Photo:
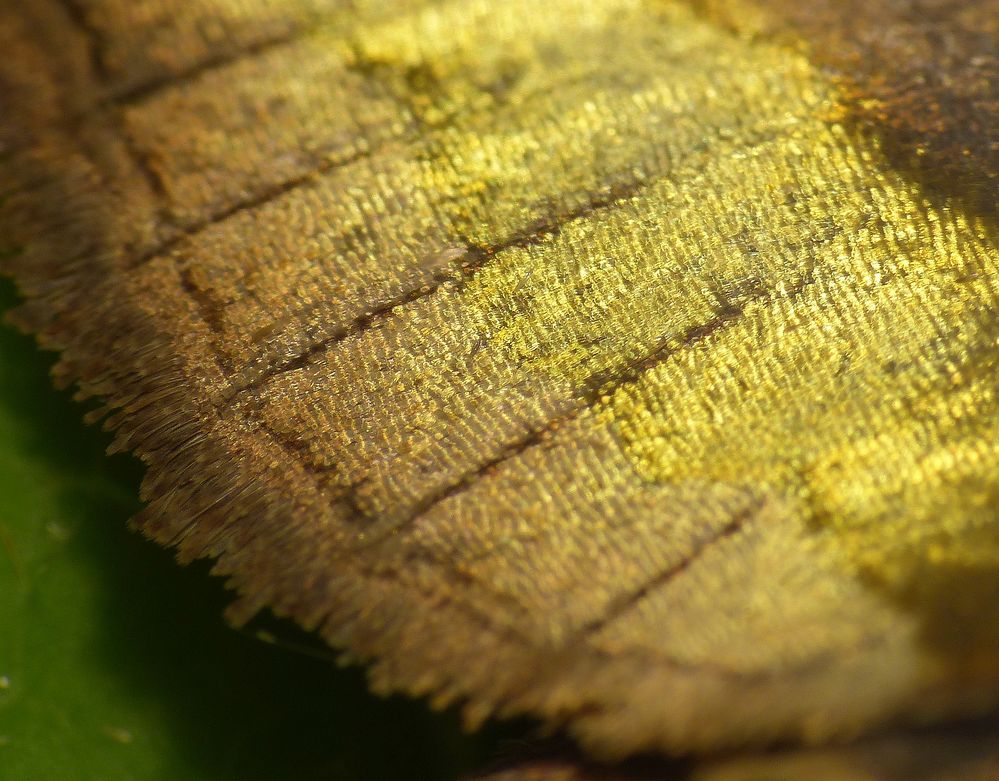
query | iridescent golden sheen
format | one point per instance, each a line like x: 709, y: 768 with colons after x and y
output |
x: 597, y: 360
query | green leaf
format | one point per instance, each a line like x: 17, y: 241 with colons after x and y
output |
x: 115, y: 663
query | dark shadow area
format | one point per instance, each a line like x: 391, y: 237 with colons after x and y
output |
x: 966, y: 750
x: 236, y: 707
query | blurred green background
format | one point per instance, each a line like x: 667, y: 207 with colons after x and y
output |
x: 115, y: 663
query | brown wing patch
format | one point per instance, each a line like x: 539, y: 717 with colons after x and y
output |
x: 921, y: 78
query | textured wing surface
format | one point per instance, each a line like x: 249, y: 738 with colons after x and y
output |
x: 630, y: 363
